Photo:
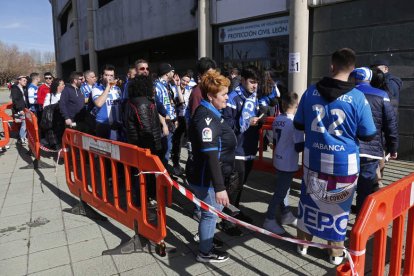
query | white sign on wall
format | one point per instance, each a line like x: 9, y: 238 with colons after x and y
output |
x: 294, y: 62
x: 254, y: 30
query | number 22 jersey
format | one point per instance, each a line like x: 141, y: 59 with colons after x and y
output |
x: 332, y: 128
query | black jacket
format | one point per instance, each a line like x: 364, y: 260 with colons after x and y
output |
x: 385, y: 122
x: 17, y: 98
x: 213, y: 145
x: 71, y: 104
x: 142, y: 124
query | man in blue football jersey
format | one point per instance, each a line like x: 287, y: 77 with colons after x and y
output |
x: 334, y: 115
x: 106, y: 97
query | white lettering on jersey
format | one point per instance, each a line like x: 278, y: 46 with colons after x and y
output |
x: 345, y: 98
x: 207, y: 134
x: 328, y: 147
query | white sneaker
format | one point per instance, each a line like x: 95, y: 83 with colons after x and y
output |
x: 303, y: 251
x: 337, y: 260
x: 290, y: 219
x: 272, y: 226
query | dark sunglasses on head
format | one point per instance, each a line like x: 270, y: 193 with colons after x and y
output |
x: 144, y: 69
x: 48, y: 78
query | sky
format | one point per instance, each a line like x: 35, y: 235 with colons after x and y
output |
x: 27, y: 24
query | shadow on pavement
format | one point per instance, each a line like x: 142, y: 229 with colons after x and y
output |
x: 72, y: 201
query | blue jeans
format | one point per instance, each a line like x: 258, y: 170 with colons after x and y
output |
x: 167, y: 146
x: 207, y: 225
x: 22, y: 131
x: 367, y: 180
x: 280, y: 196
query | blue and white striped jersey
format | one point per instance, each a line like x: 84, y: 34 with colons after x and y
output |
x: 110, y: 111
x: 32, y: 96
x: 332, y: 128
x: 86, y: 89
x: 162, y: 95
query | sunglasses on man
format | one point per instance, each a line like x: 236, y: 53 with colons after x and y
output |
x: 143, y: 69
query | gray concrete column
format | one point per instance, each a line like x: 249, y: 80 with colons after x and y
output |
x: 56, y: 38
x: 78, y: 58
x: 205, y: 42
x: 93, y: 59
x: 298, y: 46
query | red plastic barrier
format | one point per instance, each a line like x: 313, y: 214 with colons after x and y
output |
x: 15, y: 126
x: 4, y: 118
x: 261, y: 163
x: 32, y: 133
x: 90, y: 162
x: 389, y: 205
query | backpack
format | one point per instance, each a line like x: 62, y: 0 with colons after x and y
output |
x: 47, y: 115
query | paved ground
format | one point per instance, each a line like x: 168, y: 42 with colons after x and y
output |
x: 37, y: 238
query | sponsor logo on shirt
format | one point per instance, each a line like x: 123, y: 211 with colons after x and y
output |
x: 322, y: 146
x: 207, y: 134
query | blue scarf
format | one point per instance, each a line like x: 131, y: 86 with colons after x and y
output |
x: 249, y: 110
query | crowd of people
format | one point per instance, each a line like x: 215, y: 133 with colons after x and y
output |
x: 345, y: 125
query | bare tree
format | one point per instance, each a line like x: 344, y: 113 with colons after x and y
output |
x: 14, y: 62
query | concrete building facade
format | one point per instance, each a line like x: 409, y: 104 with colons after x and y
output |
x: 241, y: 32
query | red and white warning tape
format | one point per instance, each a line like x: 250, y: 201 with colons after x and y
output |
x: 189, y: 195
x: 59, y: 152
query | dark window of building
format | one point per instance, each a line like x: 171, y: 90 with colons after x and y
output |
x: 270, y: 54
x: 65, y: 18
x: 103, y: 2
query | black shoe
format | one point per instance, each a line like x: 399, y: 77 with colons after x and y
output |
x: 230, y: 229
x: 214, y: 256
x: 243, y: 217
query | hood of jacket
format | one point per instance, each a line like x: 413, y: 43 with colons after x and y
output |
x: 331, y: 89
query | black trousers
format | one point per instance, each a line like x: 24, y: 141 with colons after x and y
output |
x: 176, y: 140
x: 243, y: 167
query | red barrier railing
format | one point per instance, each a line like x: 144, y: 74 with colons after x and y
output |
x: 5, y: 118
x: 15, y: 126
x: 389, y: 205
x: 104, y: 174
x: 262, y: 163
x: 32, y: 133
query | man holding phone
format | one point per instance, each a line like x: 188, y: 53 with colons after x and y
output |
x: 242, y: 114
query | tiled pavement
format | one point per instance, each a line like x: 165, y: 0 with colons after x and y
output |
x: 37, y: 238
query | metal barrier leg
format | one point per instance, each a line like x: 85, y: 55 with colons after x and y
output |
x: 35, y: 164
x: 84, y: 209
x: 136, y: 244
x: 139, y: 244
